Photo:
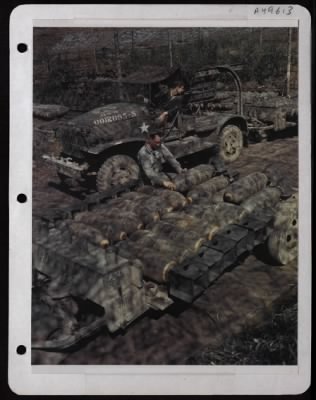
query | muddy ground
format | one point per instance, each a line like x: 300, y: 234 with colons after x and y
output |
x: 242, y: 298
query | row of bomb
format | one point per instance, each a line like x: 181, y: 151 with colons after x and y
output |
x: 109, y: 254
x: 121, y: 217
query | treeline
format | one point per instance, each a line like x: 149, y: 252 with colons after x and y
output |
x: 78, y: 54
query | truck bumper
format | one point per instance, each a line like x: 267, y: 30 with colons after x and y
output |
x: 66, y: 166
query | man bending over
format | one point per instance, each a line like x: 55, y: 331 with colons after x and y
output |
x: 151, y: 158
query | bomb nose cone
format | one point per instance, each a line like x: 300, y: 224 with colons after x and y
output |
x: 104, y: 243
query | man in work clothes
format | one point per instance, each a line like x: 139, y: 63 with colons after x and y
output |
x: 151, y: 158
x: 173, y: 103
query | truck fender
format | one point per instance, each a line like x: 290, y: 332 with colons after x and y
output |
x: 100, y: 148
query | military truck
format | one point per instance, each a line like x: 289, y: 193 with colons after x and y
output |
x: 99, y: 147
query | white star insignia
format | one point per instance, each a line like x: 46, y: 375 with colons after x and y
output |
x: 144, y: 127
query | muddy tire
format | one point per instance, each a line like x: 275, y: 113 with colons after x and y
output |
x: 115, y: 171
x: 230, y: 143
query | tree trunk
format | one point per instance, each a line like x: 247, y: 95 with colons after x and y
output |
x: 170, y: 50
x: 199, y: 44
x: 118, y: 64
x: 260, y: 38
x: 288, y: 73
x: 96, y: 61
x: 132, y: 44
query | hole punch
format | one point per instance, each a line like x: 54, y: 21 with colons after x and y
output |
x: 22, y: 47
x: 21, y: 349
x: 21, y: 198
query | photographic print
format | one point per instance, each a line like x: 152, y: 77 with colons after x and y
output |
x: 162, y: 195
x: 165, y: 196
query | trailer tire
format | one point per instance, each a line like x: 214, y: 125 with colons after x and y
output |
x: 230, y: 143
x: 115, y: 171
x: 282, y: 245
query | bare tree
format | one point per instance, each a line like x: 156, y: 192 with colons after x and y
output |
x: 132, y: 43
x: 260, y: 38
x: 118, y: 64
x: 170, y: 49
x: 199, y: 44
x: 289, y: 55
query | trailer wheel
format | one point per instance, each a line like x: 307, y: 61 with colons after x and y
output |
x: 282, y: 245
x: 115, y: 171
x: 230, y: 143
x: 282, y: 242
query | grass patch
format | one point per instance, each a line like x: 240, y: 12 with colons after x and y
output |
x: 274, y: 343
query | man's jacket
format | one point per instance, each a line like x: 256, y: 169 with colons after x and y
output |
x: 152, y: 163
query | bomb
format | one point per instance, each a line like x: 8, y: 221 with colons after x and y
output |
x: 135, y: 196
x: 146, y: 214
x: 155, y: 262
x: 173, y: 199
x: 196, y: 210
x: 218, y: 196
x: 205, y: 228
x: 194, y: 176
x: 204, y: 222
x: 181, y: 220
x: 207, y: 189
x: 163, y: 200
x: 266, y: 198
x: 239, y: 191
x: 112, y: 229
x: 160, y: 249
x: 182, y: 238
x: 87, y: 232
x: 124, y: 221
x: 147, y: 189
x: 226, y: 213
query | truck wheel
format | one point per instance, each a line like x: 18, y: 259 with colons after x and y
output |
x: 115, y: 171
x: 230, y: 143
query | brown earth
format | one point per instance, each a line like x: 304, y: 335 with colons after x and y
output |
x: 242, y: 297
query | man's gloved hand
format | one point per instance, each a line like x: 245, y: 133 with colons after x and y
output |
x: 169, y: 185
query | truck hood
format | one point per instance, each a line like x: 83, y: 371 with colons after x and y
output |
x: 119, y: 121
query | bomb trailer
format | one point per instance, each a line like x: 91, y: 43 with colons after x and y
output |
x: 107, y: 260
x: 99, y: 147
